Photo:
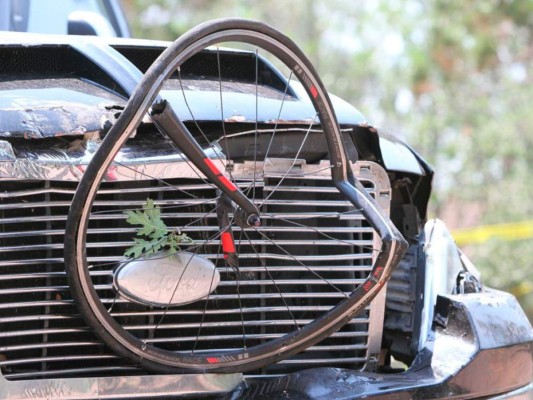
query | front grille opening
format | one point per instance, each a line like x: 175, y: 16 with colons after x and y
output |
x: 19, y: 63
x: 234, y: 66
x: 44, y: 336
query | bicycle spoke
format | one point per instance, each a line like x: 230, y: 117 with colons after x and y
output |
x: 196, y: 124
x: 274, y: 130
x: 302, y: 264
x: 319, y: 232
x: 267, y: 271
x: 293, y: 162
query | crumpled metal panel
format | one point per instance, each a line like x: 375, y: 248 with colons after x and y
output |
x: 443, y: 264
x: 66, y: 160
x: 6, y: 152
x: 36, y: 109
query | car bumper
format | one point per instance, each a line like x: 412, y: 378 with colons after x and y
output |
x: 481, y: 346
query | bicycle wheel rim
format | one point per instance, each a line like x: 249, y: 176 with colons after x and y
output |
x: 129, y: 345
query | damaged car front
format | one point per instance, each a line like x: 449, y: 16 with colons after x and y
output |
x: 60, y: 96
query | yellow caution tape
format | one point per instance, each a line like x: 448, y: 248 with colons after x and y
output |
x: 522, y: 289
x: 481, y: 234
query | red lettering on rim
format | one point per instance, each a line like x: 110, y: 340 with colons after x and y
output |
x: 314, y: 92
x: 378, y: 271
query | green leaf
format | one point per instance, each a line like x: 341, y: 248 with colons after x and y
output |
x: 150, y: 220
x: 153, y: 234
x: 140, y: 248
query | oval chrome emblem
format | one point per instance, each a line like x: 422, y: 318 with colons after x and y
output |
x: 162, y: 280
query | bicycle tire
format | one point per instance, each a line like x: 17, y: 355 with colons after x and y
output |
x: 161, y: 359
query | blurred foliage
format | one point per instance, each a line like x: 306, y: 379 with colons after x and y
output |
x: 452, y: 77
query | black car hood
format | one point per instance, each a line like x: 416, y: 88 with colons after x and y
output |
x: 68, y: 85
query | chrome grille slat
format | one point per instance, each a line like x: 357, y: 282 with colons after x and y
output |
x: 215, y: 242
x: 296, y: 268
x: 103, y: 260
x: 224, y: 324
x: 355, y: 268
x: 123, y: 204
x: 48, y: 345
x: 220, y: 311
x: 28, y: 304
x: 266, y: 296
x: 48, y: 331
x: 45, y: 275
x: 186, y: 230
x: 63, y: 358
x: 309, y: 349
x: 25, y: 193
x: 49, y: 317
x: 314, y: 361
x: 59, y: 303
x: 356, y: 216
x: 32, y: 275
x: 287, y: 188
x: 294, y: 282
x: 183, y: 202
x: 211, y: 297
x: 219, y: 337
x: 224, y: 337
x: 336, y: 347
x: 44, y: 328
x: 50, y: 288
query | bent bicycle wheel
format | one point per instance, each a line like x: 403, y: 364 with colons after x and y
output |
x: 227, y: 231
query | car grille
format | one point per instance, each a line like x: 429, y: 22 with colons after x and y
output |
x: 44, y: 336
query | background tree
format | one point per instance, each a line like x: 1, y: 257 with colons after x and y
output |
x: 452, y: 77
